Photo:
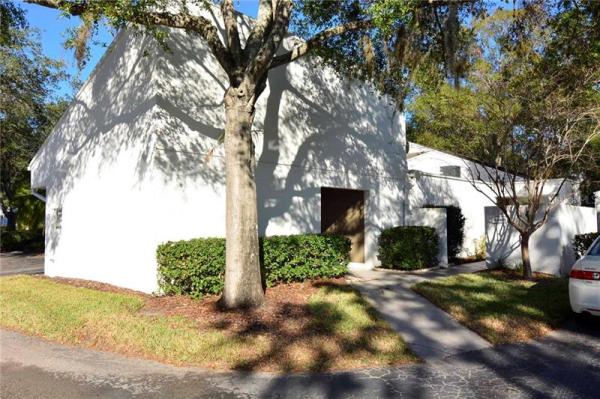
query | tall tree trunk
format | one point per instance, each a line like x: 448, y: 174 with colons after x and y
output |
x: 527, y: 273
x: 243, y: 285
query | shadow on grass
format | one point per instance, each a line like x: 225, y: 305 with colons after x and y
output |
x: 500, y: 305
x: 336, y: 329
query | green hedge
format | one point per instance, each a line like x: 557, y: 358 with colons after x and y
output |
x: 408, y: 247
x: 26, y: 241
x: 582, y: 242
x: 197, y: 267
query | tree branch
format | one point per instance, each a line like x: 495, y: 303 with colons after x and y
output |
x: 70, y: 7
x: 232, y: 36
x: 262, y: 27
x: 319, y: 38
x: 196, y: 24
x: 259, y: 64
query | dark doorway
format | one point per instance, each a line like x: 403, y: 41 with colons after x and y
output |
x: 343, y: 213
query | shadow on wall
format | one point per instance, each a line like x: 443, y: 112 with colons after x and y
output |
x: 161, y: 118
x: 550, y: 247
x: 500, y: 238
x: 308, y: 133
x: 92, y: 133
x: 435, y: 192
x: 553, y: 243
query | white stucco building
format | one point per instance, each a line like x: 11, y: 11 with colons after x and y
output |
x: 438, y: 178
x: 136, y: 161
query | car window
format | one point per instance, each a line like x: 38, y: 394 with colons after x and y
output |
x: 595, y: 249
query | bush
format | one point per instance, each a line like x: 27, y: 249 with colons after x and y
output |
x: 304, y: 257
x: 455, y: 223
x: 582, y: 242
x: 480, y: 248
x: 26, y: 241
x: 197, y: 267
x: 408, y: 247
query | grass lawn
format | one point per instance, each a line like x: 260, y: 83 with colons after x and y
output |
x: 499, y: 305
x: 322, y: 326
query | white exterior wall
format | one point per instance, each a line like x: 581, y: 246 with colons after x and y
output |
x: 429, y: 160
x: 445, y: 191
x: 94, y: 168
x: 312, y: 130
x: 428, y: 187
x: 550, y: 247
x: 136, y: 160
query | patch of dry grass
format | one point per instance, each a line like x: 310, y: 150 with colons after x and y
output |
x: 303, y: 327
x: 501, y: 306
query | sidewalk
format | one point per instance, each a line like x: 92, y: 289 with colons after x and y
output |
x: 430, y: 332
x: 19, y: 263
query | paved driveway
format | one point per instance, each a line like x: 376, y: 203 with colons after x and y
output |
x: 563, y: 365
x: 18, y: 263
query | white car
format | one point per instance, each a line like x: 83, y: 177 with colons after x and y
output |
x: 584, y: 282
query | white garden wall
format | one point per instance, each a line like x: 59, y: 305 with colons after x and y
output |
x: 435, y: 190
x: 428, y: 187
x: 551, y: 247
x: 436, y: 218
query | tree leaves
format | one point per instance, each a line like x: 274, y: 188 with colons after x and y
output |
x: 27, y: 110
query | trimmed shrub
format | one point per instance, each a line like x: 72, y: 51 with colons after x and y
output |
x: 194, y: 267
x: 304, y: 257
x: 26, y: 241
x: 582, y: 242
x: 408, y: 247
x: 455, y: 223
x: 197, y: 267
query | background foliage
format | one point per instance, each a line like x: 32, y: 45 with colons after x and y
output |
x: 28, y: 111
x: 582, y: 243
x: 532, y: 89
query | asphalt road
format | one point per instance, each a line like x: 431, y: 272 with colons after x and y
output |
x: 565, y: 364
x: 18, y: 263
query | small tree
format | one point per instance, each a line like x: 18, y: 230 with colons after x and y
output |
x: 247, y: 62
x: 524, y: 112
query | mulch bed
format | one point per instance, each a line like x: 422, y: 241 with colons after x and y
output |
x: 516, y: 275
x: 285, y: 309
x: 94, y: 285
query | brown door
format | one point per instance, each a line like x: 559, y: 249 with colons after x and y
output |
x: 343, y: 213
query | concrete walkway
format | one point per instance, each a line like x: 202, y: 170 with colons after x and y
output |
x: 19, y: 263
x: 430, y: 332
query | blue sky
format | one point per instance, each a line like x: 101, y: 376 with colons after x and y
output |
x: 53, y: 27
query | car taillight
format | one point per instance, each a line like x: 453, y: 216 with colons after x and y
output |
x: 584, y: 274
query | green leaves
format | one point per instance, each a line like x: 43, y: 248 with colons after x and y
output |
x: 408, y: 247
x: 197, y: 267
x: 27, y: 108
x: 386, y: 14
x: 582, y: 242
x: 12, y: 18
